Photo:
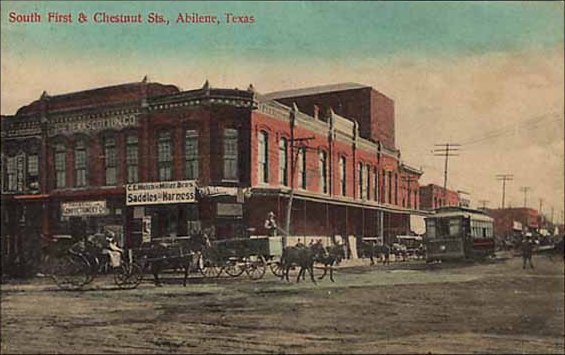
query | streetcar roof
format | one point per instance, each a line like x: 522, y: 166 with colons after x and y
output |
x: 465, y: 214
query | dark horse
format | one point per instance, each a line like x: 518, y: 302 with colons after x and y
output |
x: 329, y: 257
x: 301, y: 256
x: 181, y: 254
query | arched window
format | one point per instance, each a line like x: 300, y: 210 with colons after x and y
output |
x: 110, y: 161
x: 60, y: 165
x: 360, y: 180
x: 80, y: 164
x: 368, y: 182
x: 376, y: 184
x: 342, y: 175
x: 323, y: 162
x: 132, y: 170
x: 191, y: 154
x: 283, y: 161
x: 164, y: 156
x: 263, y: 157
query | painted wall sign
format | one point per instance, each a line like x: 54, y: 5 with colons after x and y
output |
x: 156, y: 193
x: 83, y: 208
x: 217, y: 191
x: 93, y: 125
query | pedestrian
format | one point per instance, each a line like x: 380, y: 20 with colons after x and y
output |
x: 386, y: 253
x: 271, y: 224
x: 527, y: 249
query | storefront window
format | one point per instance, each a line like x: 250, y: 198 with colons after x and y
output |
x: 191, y: 154
x: 80, y: 164
x: 131, y: 158
x: 342, y: 176
x: 165, y: 158
x: 323, y: 172
x: 283, y: 162
x: 302, y: 168
x: 110, y: 160
x: 263, y: 157
x: 231, y: 143
x: 60, y: 165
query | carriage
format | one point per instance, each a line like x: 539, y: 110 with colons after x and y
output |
x: 251, y: 255
x: 75, y: 265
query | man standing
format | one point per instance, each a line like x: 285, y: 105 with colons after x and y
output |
x: 271, y: 224
x: 527, y: 249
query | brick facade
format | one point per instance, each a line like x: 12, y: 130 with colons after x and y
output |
x: 432, y: 196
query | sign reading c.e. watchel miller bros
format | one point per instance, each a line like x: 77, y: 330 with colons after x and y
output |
x: 165, y: 192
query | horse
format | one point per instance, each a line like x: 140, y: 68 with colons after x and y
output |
x: 329, y: 257
x: 301, y: 256
x: 161, y: 256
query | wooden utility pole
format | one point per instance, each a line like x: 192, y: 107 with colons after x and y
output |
x: 504, y: 178
x: 525, y: 190
x: 484, y: 203
x: 446, y: 150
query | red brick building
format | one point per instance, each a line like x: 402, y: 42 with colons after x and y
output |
x: 434, y: 196
x: 509, y: 221
x: 147, y: 154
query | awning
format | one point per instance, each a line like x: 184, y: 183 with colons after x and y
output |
x: 417, y: 224
x: 31, y: 197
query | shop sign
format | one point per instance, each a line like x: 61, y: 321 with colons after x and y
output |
x: 93, y: 125
x: 158, y: 193
x: 217, y: 191
x: 84, y: 208
x: 146, y: 229
x: 516, y: 225
x: 229, y: 209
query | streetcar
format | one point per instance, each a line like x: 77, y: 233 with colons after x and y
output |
x: 455, y: 233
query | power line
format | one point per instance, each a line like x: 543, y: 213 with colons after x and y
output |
x: 504, y: 178
x: 446, y: 150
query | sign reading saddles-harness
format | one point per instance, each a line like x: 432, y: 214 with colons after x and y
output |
x: 156, y: 193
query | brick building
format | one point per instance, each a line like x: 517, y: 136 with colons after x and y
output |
x: 148, y: 159
x: 509, y: 221
x: 434, y: 196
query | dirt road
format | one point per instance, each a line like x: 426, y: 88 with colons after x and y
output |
x: 482, y: 308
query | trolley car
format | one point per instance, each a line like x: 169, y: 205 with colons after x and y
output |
x: 454, y: 233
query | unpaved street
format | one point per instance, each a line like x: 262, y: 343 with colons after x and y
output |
x: 481, y: 308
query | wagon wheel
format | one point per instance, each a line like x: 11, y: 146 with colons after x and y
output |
x: 71, y: 272
x: 210, y: 264
x: 233, y: 267
x: 128, y: 276
x: 276, y: 268
x: 255, y: 269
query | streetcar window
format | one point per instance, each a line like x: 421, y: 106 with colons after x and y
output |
x: 454, y: 227
x: 431, y: 228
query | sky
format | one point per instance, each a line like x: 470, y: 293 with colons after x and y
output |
x: 486, y: 75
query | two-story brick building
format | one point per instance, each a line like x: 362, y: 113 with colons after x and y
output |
x: 433, y: 196
x: 145, y: 154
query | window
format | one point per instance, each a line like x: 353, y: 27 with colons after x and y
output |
x: 132, y: 170
x: 10, y: 174
x: 389, y: 185
x: 376, y: 184
x: 60, y: 165
x: 323, y: 172
x: 302, y: 168
x: 110, y: 160
x: 396, y: 189
x: 342, y: 176
x: 368, y: 182
x: 360, y: 180
x: 191, y: 154
x: 164, y: 156
x: 383, y: 194
x: 33, y: 172
x: 263, y: 157
x: 80, y: 164
x: 231, y: 154
x: 283, y: 161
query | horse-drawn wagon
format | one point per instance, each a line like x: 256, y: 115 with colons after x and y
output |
x: 251, y: 255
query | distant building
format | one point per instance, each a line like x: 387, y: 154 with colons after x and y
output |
x: 433, y: 196
x: 509, y: 221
